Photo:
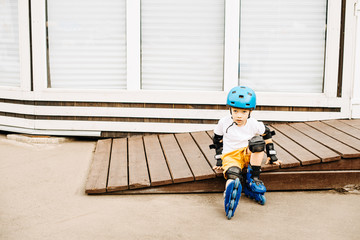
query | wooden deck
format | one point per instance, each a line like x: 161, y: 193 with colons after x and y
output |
x: 314, y: 155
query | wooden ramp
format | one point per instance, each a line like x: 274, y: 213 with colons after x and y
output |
x: 314, y: 155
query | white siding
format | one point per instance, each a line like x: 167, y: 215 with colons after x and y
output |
x: 80, y: 57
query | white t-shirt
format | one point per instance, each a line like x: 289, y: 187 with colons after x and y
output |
x: 235, y: 137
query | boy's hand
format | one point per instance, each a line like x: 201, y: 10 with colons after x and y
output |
x: 217, y: 167
x: 278, y: 162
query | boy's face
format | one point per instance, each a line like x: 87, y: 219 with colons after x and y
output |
x: 240, y: 115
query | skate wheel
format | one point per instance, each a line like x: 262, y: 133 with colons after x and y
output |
x: 233, y: 195
x: 232, y: 204
x: 237, y: 183
x: 230, y: 214
x: 262, y: 200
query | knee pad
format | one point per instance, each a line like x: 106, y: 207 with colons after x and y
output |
x: 233, y: 173
x: 256, y: 144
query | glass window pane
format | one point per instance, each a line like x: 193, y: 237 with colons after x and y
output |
x: 182, y: 44
x: 282, y: 45
x: 87, y: 44
x: 9, y: 44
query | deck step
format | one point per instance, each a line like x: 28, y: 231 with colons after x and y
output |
x: 314, y: 155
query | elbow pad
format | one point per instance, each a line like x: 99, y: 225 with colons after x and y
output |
x: 268, y: 133
x: 217, y: 139
x: 217, y: 144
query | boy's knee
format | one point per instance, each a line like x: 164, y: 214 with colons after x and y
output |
x: 233, y: 173
x: 256, y: 144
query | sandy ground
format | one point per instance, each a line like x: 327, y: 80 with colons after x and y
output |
x: 42, y: 197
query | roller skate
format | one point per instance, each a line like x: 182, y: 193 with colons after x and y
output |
x: 254, y: 187
x: 232, y: 195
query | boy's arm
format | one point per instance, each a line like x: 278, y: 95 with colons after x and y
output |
x: 218, y: 142
x: 218, y: 146
x: 270, y: 151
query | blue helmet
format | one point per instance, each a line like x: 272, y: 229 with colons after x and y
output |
x: 242, y: 97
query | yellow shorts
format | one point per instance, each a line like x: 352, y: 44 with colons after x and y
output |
x: 237, y: 158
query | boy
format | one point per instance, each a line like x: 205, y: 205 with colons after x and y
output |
x: 242, y: 141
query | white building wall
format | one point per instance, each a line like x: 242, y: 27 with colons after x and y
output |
x: 37, y: 109
x: 355, y: 101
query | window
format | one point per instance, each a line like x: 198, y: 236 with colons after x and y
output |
x: 9, y: 44
x: 87, y: 44
x: 282, y: 45
x: 182, y: 44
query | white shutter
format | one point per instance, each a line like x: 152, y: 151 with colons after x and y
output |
x: 282, y: 45
x: 182, y: 44
x: 87, y: 44
x: 9, y: 44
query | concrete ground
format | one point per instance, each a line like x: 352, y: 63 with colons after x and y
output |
x: 42, y: 197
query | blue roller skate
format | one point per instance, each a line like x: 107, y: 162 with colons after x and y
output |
x: 232, y: 196
x: 254, y: 188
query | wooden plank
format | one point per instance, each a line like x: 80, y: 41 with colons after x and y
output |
x: 355, y: 132
x: 212, y: 185
x: 138, y: 171
x: 353, y: 122
x: 304, y: 156
x: 337, y: 134
x: 344, y: 150
x: 274, y: 181
x: 196, y: 160
x: 309, y: 180
x: 287, y: 160
x: 325, y: 154
x: 159, y: 172
x: 118, y: 170
x: 97, y: 179
x: 178, y: 166
x: 268, y: 167
x: 203, y: 141
x: 343, y: 164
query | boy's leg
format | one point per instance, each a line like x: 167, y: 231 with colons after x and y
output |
x: 256, y: 158
x: 233, y: 173
x: 254, y: 186
x: 270, y: 151
x: 253, y: 173
x: 233, y: 190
